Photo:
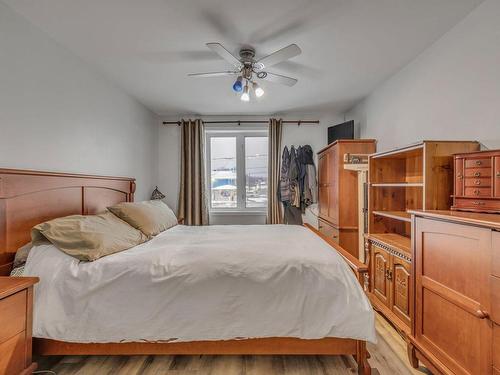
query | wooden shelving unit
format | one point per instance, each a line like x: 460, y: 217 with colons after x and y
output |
x: 396, y: 215
x: 400, y: 184
x: 416, y: 177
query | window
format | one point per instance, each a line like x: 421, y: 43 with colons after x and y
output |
x: 237, y: 170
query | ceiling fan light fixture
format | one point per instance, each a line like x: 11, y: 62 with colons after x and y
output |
x: 245, y: 97
x: 259, y: 91
x: 238, y: 84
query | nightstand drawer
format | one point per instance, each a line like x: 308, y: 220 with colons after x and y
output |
x: 12, y: 358
x: 13, y: 314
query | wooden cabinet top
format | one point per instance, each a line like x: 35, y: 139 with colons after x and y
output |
x: 484, y: 220
x: 346, y: 141
x: 485, y: 153
x: 11, y: 285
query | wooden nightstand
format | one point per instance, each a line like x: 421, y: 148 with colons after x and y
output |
x: 16, y: 315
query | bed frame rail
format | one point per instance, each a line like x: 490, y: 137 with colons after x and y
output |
x: 359, y: 268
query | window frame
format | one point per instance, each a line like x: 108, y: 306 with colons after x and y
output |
x: 240, y: 135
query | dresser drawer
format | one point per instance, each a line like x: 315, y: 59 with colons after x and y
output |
x: 477, y: 182
x: 13, y: 311
x: 478, y: 204
x: 496, y: 345
x: 478, y: 172
x: 328, y: 230
x: 475, y: 163
x: 495, y: 298
x: 477, y: 192
x: 12, y: 358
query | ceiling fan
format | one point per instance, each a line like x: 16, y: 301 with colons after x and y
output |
x: 247, y: 68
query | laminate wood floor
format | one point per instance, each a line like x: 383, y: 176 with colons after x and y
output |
x: 388, y: 357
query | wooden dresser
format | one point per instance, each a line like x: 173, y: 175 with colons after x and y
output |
x: 338, y: 192
x: 16, y: 309
x: 456, y: 304
x: 477, y: 182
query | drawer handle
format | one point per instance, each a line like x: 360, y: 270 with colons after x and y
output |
x: 478, y: 162
x: 481, y: 314
x: 477, y: 192
x: 477, y: 174
x: 478, y: 203
x: 477, y: 182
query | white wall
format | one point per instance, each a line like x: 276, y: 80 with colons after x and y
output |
x: 451, y: 91
x: 57, y: 114
x: 169, y: 152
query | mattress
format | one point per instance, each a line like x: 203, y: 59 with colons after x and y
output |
x: 202, y: 283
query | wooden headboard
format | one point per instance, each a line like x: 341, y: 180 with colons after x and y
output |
x: 28, y: 198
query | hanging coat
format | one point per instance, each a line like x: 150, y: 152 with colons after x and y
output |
x: 294, y: 179
x: 310, y: 183
x: 284, y: 176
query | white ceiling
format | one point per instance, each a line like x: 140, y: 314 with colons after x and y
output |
x: 147, y: 47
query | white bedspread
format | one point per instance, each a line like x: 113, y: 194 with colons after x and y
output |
x: 202, y: 283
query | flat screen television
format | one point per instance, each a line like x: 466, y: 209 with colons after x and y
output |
x: 341, y: 131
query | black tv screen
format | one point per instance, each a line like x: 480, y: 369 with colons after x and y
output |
x: 341, y: 131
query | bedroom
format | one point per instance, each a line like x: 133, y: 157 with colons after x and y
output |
x: 91, y: 90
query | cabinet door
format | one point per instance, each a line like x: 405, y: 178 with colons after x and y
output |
x: 323, y: 184
x: 323, y: 160
x: 459, y: 177
x: 496, y: 177
x: 381, y: 265
x: 452, y: 293
x: 333, y: 170
x: 400, y: 289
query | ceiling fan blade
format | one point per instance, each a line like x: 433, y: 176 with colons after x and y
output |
x: 278, y: 78
x: 214, y: 74
x: 278, y: 56
x: 225, y: 54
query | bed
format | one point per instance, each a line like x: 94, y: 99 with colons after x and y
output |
x: 205, y: 290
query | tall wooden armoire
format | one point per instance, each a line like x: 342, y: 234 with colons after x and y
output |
x: 338, y: 194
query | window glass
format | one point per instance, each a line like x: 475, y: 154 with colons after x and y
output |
x: 256, y: 172
x: 224, y: 191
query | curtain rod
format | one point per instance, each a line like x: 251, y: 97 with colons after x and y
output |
x: 239, y: 122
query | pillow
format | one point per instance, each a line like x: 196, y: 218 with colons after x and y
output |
x: 88, y: 237
x: 150, y: 217
x: 22, y: 255
x: 18, y: 271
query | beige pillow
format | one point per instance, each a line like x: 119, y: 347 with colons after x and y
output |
x: 88, y: 237
x: 150, y: 217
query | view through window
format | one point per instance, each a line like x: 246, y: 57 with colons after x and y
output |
x: 256, y: 171
x: 237, y: 170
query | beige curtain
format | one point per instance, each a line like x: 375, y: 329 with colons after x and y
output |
x: 274, y: 208
x: 192, y: 197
